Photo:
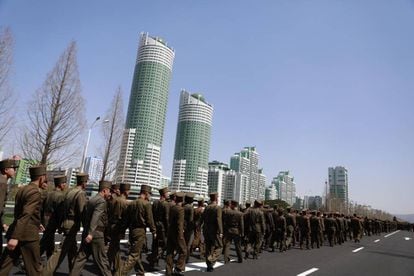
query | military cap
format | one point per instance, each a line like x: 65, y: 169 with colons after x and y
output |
x: 266, y: 206
x: 37, y: 171
x: 200, y: 201
x: 8, y: 163
x: 82, y: 177
x: 258, y: 201
x: 190, y: 195
x: 234, y: 202
x: 146, y: 188
x: 104, y: 184
x: 179, y: 195
x: 162, y: 191
x: 124, y: 187
x: 59, y: 179
x: 213, y: 195
x: 172, y: 195
x: 115, y: 186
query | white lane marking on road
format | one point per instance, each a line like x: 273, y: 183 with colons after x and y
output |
x: 200, y: 266
x: 407, y: 238
x: 376, y: 240
x: 390, y: 234
x: 358, y: 249
x: 307, y: 272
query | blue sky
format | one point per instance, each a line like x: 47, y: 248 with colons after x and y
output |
x: 311, y: 84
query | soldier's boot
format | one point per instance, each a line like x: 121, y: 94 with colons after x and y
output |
x: 178, y: 272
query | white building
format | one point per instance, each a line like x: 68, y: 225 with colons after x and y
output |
x: 94, y: 167
x: 285, y: 186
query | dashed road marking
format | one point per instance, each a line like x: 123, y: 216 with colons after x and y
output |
x: 199, y: 266
x: 358, y: 249
x: 407, y: 238
x: 307, y: 272
x: 390, y: 234
x: 377, y: 240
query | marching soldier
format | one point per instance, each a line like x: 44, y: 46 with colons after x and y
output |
x: 357, y: 228
x: 330, y: 226
x: 54, y: 210
x: 280, y: 230
x: 8, y: 169
x: 115, y: 193
x: 233, y: 225
x: 74, y: 206
x: 93, y: 237
x: 270, y: 227
x: 188, y: 222
x: 245, y: 241
x: 138, y: 218
x: 176, y: 240
x: 316, y: 228
x: 198, y: 222
x: 23, y: 233
x: 290, y: 228
x: 120, y: 207
x: 305, y: 229
x: 213, y: 231
x: 254, y: 218
x: 160, y: 212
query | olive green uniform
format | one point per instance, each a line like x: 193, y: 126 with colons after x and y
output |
x: 255, y: 221
x: 212, y: 230
x: 233, y: 226
x: 160, y: 212
x: 25, y: 229
x: 176, y: 240
x: 138, y: 217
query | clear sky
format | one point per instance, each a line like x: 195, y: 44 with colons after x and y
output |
x: 311, y: 84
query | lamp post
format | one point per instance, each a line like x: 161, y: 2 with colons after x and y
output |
x: 85, y: 149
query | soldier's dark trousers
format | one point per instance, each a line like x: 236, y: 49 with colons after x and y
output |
x: 315, y: 238
x: 68, y: 247
x: 114, y: 256
x: 290, y: 236
x: 214, y: 247
x: 197, y: 242
x: 30, y: 251
x: 158, y: 246
x: 47, y: 243
x: 137, y: 239
x: 331, y: 236
x: 228, y: 238
x: 189, y: 237
x: 97, y: 249
x: 175, y: 246
x: 304, y: 237
x: 255, y: 239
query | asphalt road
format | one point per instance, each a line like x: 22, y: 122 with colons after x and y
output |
x: 384, y: 255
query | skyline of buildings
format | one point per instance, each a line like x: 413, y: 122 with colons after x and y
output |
x: 285, y: 187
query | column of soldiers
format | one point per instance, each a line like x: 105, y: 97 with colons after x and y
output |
x: 177, y: 227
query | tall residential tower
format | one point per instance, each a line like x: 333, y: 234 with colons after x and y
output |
x: 140, y: 156
x: 192, y: 145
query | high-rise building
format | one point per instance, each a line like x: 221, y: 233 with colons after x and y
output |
x: 312, y: 202
x: 140, y: 155
x: 261, y: 185
x: 338, y: 184
x: 192, y: 145
x: 246, y: 163
x: 270, y: 193
x: 285, y: 186
x: 94, y: 167
x: 221, y: 180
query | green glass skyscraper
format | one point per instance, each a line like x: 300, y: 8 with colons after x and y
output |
x: 144, y: 129
x: 192, y: 145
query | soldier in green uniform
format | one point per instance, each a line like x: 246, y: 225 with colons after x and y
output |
x: 93, y: 236
x: 254, y: 218
x: 330, y: 226
x: 115, y: 193
x: 356, y: 226
x: 188, y: 221
x: 290, y: 228
x: 74, y: 206
x: 213, y: 231
x: 7, y: 170
x: 198, y: 222
x: 305, y: 230
x: 160, y: 212
x: 23, y: 234
x: 233, y: 226
x: 138, y: 218
x: 245, y: 241
x: 316, y: 228
x: 176, y: 240
x: 54, y: 210
x: 280, y: 230
x: 119, y: 212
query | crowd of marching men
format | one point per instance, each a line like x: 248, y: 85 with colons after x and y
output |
x: 180, y: 227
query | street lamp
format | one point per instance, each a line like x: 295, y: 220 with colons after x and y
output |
x: 85, y: 149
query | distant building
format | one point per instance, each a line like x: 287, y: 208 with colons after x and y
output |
x: 22, y: 174
x: 261, y: 185
x: 312, y: 202
x: 338, y: 184
x: 246, y: 163
x: 298, y: 205
x: 94, y: 167
x: 165, y: 181
x: 270, y: 193
x: 285, y: 186
x: 192, y: 145
x: 221, y: 180
x: 71, y: 176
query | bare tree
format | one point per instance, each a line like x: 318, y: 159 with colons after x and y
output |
x: 112, y: 132
x: 56, y: 114
x: 6, y: 99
